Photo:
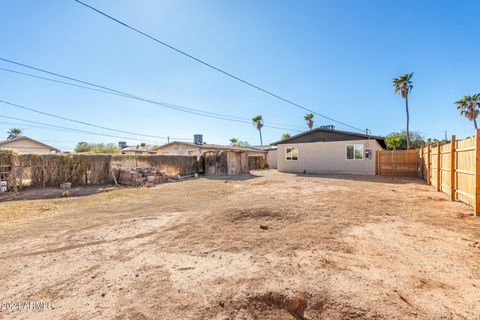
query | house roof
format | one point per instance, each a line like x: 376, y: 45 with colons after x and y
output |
x: 178, y: 142
x: 325, y: 135
x: 265, y: 148
x: 30, y: 139
x: 138, y: 149
x: 211, y: 146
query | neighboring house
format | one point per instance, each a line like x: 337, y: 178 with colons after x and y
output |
x: 137, y: 151
x: 179, y: 148
x: 329, y: 151
x: 27, y: 145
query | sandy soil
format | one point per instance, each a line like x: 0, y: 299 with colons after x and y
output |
x: 263, y: 246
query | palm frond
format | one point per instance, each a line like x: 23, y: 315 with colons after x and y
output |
x: 403, y: 84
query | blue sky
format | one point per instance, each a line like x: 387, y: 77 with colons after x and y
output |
x: 336, y: 57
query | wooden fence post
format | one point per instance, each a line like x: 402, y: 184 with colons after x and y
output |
x: 377, y: 168
x: 422, y: 160
x: 453, y: 167
x: 439, y: 167
x: 20, y: 176
x: 44, y: 173
x: 477, y: 173
x: 392, y: 167
x: 14, y: 172
x: 429, y: 164
x: 110, y: 168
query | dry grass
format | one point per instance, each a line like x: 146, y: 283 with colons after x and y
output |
x: 267, y: 246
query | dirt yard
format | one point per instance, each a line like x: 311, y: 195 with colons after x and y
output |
x: 263, y: 246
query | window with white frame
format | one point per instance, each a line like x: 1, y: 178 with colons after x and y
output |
x: 354, y: 151
x: 291, y: 153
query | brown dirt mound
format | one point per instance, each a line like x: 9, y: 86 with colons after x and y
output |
x: 303, y: 306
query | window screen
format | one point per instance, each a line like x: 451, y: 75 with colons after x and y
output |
x: 354, y: 151
x: 291, y: 153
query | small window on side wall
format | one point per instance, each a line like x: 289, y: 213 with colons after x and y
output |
x: 355, y: 152
x: 291, y: 153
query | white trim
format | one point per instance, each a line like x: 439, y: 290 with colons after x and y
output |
x: 354, y: 145
x: 298, y: 153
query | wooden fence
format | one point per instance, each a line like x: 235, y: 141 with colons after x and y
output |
x: 397, y: 163
x: 450, y: 168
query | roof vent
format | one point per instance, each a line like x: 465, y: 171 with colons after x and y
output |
x: 328, y: 127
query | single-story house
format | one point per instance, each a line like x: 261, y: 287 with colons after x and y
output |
x: 329, y: 151
x: 180, y: 148
x: 137, y: 151
x: 27, y: 145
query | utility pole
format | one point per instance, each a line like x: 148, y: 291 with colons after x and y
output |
x: 445, y: 135
x: 168, y: 139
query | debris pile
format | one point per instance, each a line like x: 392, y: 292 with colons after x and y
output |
x: 147, y: 177
x: 66, y: 185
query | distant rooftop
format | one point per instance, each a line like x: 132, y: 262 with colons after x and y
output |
x: 138, y: 149
x: 30, y: 139
x: 213, y: 146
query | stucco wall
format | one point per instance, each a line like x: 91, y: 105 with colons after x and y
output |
x: 327, y: 157
x: 26, y: 146
x: 179, y: 150
x: 272, y: 159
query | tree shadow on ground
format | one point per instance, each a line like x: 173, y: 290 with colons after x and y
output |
x: 80, y: 191
x: 54, y: 193
x: 366, y: 178
x: 240, y: 177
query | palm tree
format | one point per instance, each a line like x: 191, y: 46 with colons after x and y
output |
x: 469, y: 107
x: 258, y: 123
x: 234, y: 142
x: 285, y: 136
x: 403, y: 85
x: 309, y: 118
x: 14, y: 133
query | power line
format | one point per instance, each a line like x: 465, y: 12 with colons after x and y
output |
x: 73, y: 129
x: 53, y: 80
x: 81, y: 122
x: 108, y: 90
x: 215, y: 68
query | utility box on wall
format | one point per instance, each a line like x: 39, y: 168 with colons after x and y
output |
x: 368, y: 154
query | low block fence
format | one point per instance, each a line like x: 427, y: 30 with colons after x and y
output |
x: 452, y: 168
